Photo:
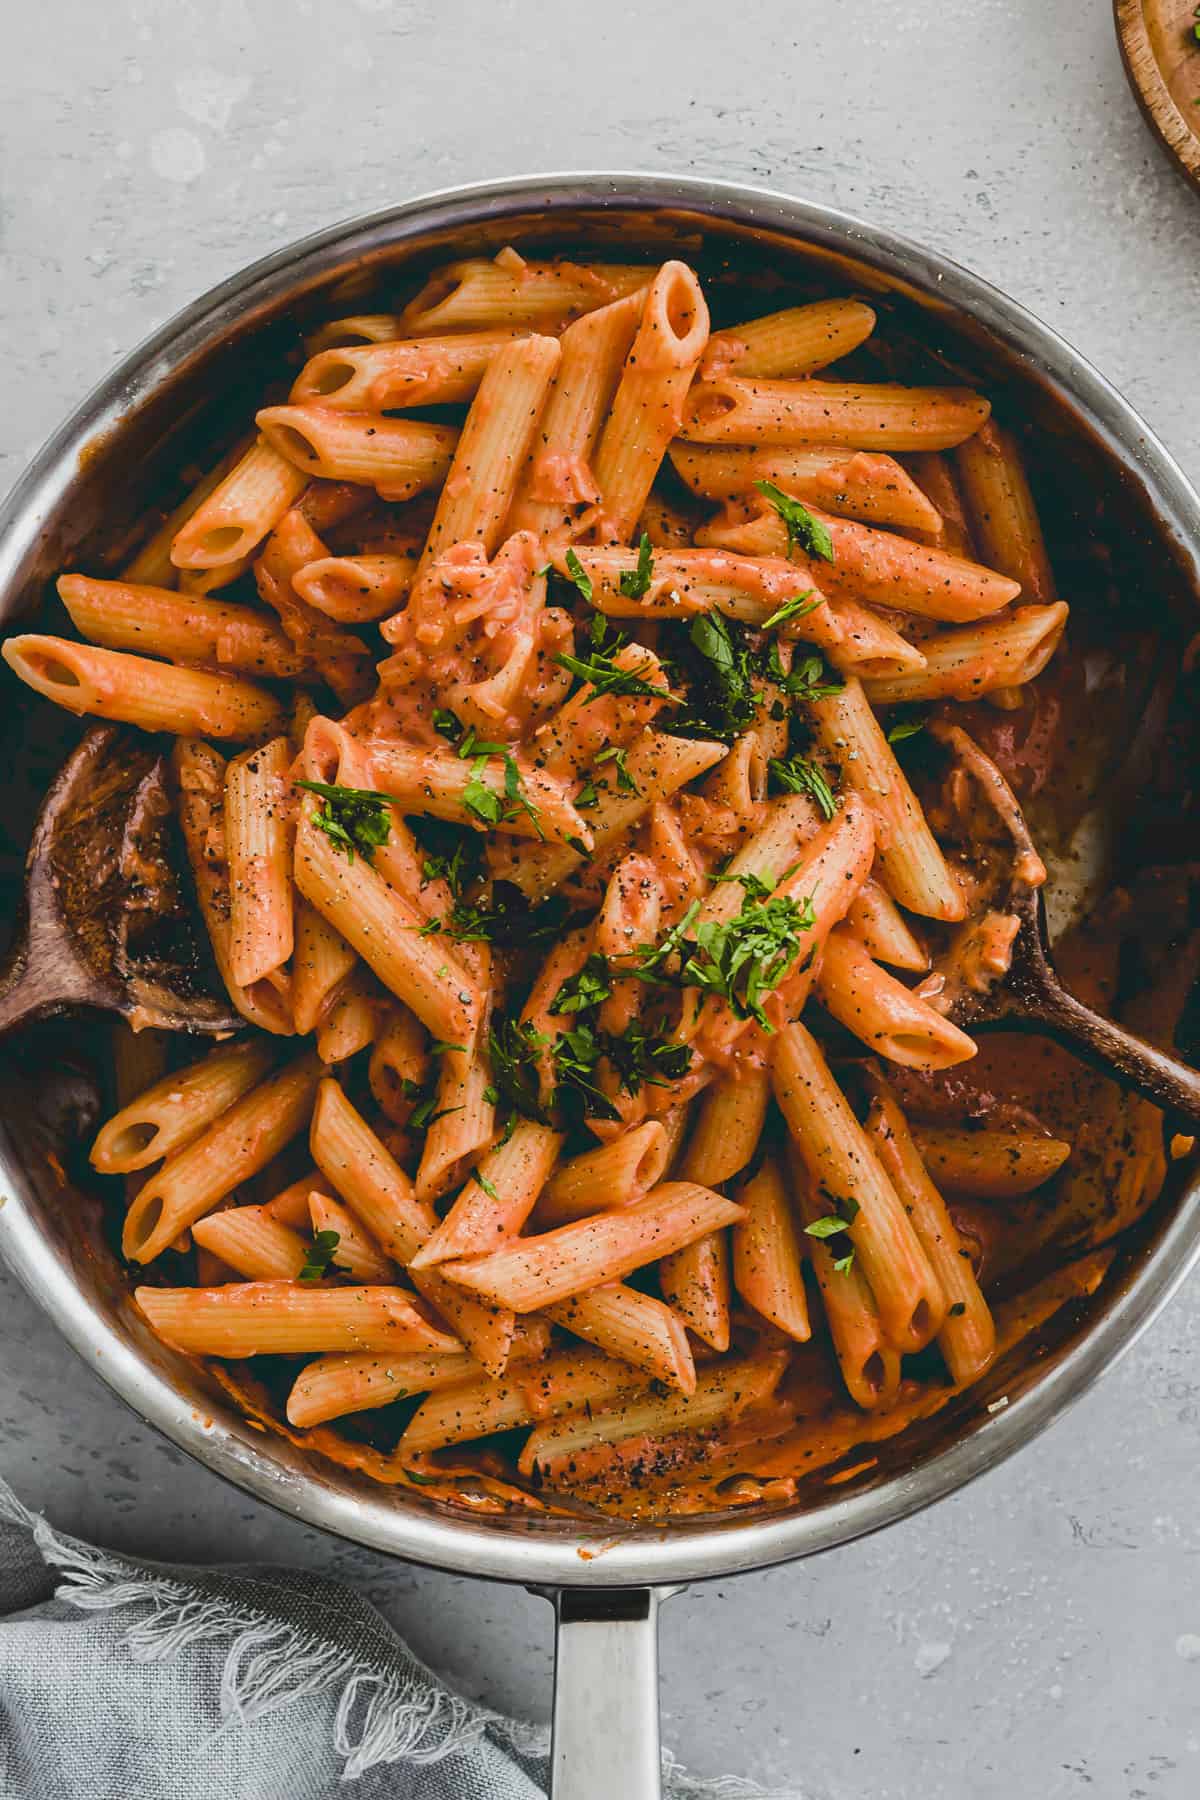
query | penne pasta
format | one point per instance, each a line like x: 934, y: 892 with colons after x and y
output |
x: 1001, y: 508
x: 536, y: 1272
x: 177, y: 1107
x: 355, y: 1251
x: 240, y: 512
x: 560, y: 1383
x: 977, y: 659
x: 391, y: 375
x: 612, y: 1175
x: 477, y: 294
x: 634, y: 1327
x: 258, y: 844
x: 877, y: 922
x: 133, y: 690
x: 183, y: 628
x: 854, y: 484
x: 282, y: 1318
x: 768, y: 1262
x: 695, y: 1281
x: 335, y: 1385
x: 397, y: 457
x: 888, y: 1017
x: 797, y: 341
x: 254, y: 1242
x: 994, y: 1164
x: 858, y: 415
x: 498, y: 1197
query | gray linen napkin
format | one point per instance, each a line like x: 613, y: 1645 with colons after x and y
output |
x: 130, y: 1680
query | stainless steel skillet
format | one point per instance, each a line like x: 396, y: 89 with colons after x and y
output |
x: 183, y: 391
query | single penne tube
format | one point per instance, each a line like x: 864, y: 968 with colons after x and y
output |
x: 1002, y: 512
x: 658, y: 765
x: 535, y: 1272
x: 633, y: 1326
x: 879, y: 925
x: 729, y: 1117
x: 140, y: 1060
x: 977, y: 659
x: 133, y: 690
x: 389, y: 376
x: 353, y: 1021
x: 797, y: 341
x: 859, y: 415
x: 385, y: 929
x: 994, y: 1164
x: 649, y: 399
x: 370, y: 1181
x: 496, y: 439
x: 291, y: 1204
x: 967, y: 1338
x: 399, y: 1064
x: 440, y: 784
x: 561, y: 1382
x: 848, y: 1176
x: 463, y: 1123
x: 178, y: 1107
x: 284, y: 1318
x: 854, y: 484
x: 240, y: 512
x: 322, y: 962
x: 740, y: 782
x: 258, y: 845
x: 152, y: 565
x: 335, y: 1385
x: 356, y: 1252
x: 355, y: 590
x: 397, y: 457
x: 723, y: 1392
x: 912, y: 866
x: 889, y: 1018
x: 254, y: 1242
x: 768, y: 1262
x: 869, y: 1363
x: 478, y: 294
x: 557, y: 478
x: 614, y: 1174
x: 199, y: 773
x: 498, y: 1197
x: 695, y: 1281
x: 355, y: 328
x: 232, y: 1149
x: 181, y: 627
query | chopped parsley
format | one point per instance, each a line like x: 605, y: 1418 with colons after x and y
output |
x: 585, y: 989
x: 797, y: 608
x: 807, y: 679
x: 741, y: 960
x: 616, y: 755
x: 636, y: 582
x: 489, y: 1187
x: 482, y: 801
x: 800, y: 775
x: 507, y: 921
x: 579, y: 575
x: 827, y: 1227
x: 754, y: 885
x: 842, y: 1265
x: 906, y: 725
x: 722, y: 698
x: 802, y: 528
x: 319, y: 1261
x: 354, y: 819
x: 831, y: 1226
x: 575, y: 1055
x: 643, y: 1057
x: 601, y: 671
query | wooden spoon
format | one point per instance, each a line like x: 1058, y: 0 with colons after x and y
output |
x: 1005, y: 979
x: 103, y: 921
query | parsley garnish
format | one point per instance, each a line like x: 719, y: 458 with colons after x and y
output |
x: 423, y: 1115
x: 636, y: 1055
x: 635, y: 582
x: 797, y: 608
x: 320, y: 1261
x: 799, y: 775
x: 508, y: 921
x: 479, y: 799
x: 515, y: 1048
x: 640, y: 1057
x: 587, y: 988
x: 723, y: 700
x: 615, y: 754
x: 489, y: 1187
x: 439, y: 1046
x: 906, y: 725
x: 352, y: 818
x: 842, y: 1265
x: 579, y: 575
x: 831, y: 1226
x: 801, y: 527
x: 807, y: 679
x: 742, y: 960
x: 601, y: 671
x: 827, y: 1227
x: 445, y: 722
x: 482, y: 800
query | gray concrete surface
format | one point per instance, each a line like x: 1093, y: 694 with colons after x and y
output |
x: 1040, y: 1633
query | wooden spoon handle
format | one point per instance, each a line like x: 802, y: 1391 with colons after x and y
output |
x: 1127, y: 1058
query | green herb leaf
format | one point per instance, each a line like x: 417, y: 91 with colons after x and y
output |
x: 587, y: 796
x: 352, y: 818
x: 741, y: 960
x: 615, y: 754
x: 798, y: 775
x: 802, y: 528
x: 319, y: 1261
x: 489, y: 1187
x: 798, y: 608
x: 579, y: 576
x: 439, y: 1047
x: 515, y: 1049
x: 906, y: 725
x: 827, y: 1227
x: 602, y: 673
x: 419, y: 1480
x: 635, y: 582
x: 491, y: 1094
x: 652, y: 956
x: 754, y: 885
x: 807, y: 679
x: 587, y: 988
x: 639, y: 1056
x: 479, y: 799
x: 842, y: 1265
x: 445, y: 722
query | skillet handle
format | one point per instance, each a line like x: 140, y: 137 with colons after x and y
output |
x: 605, y: 1731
